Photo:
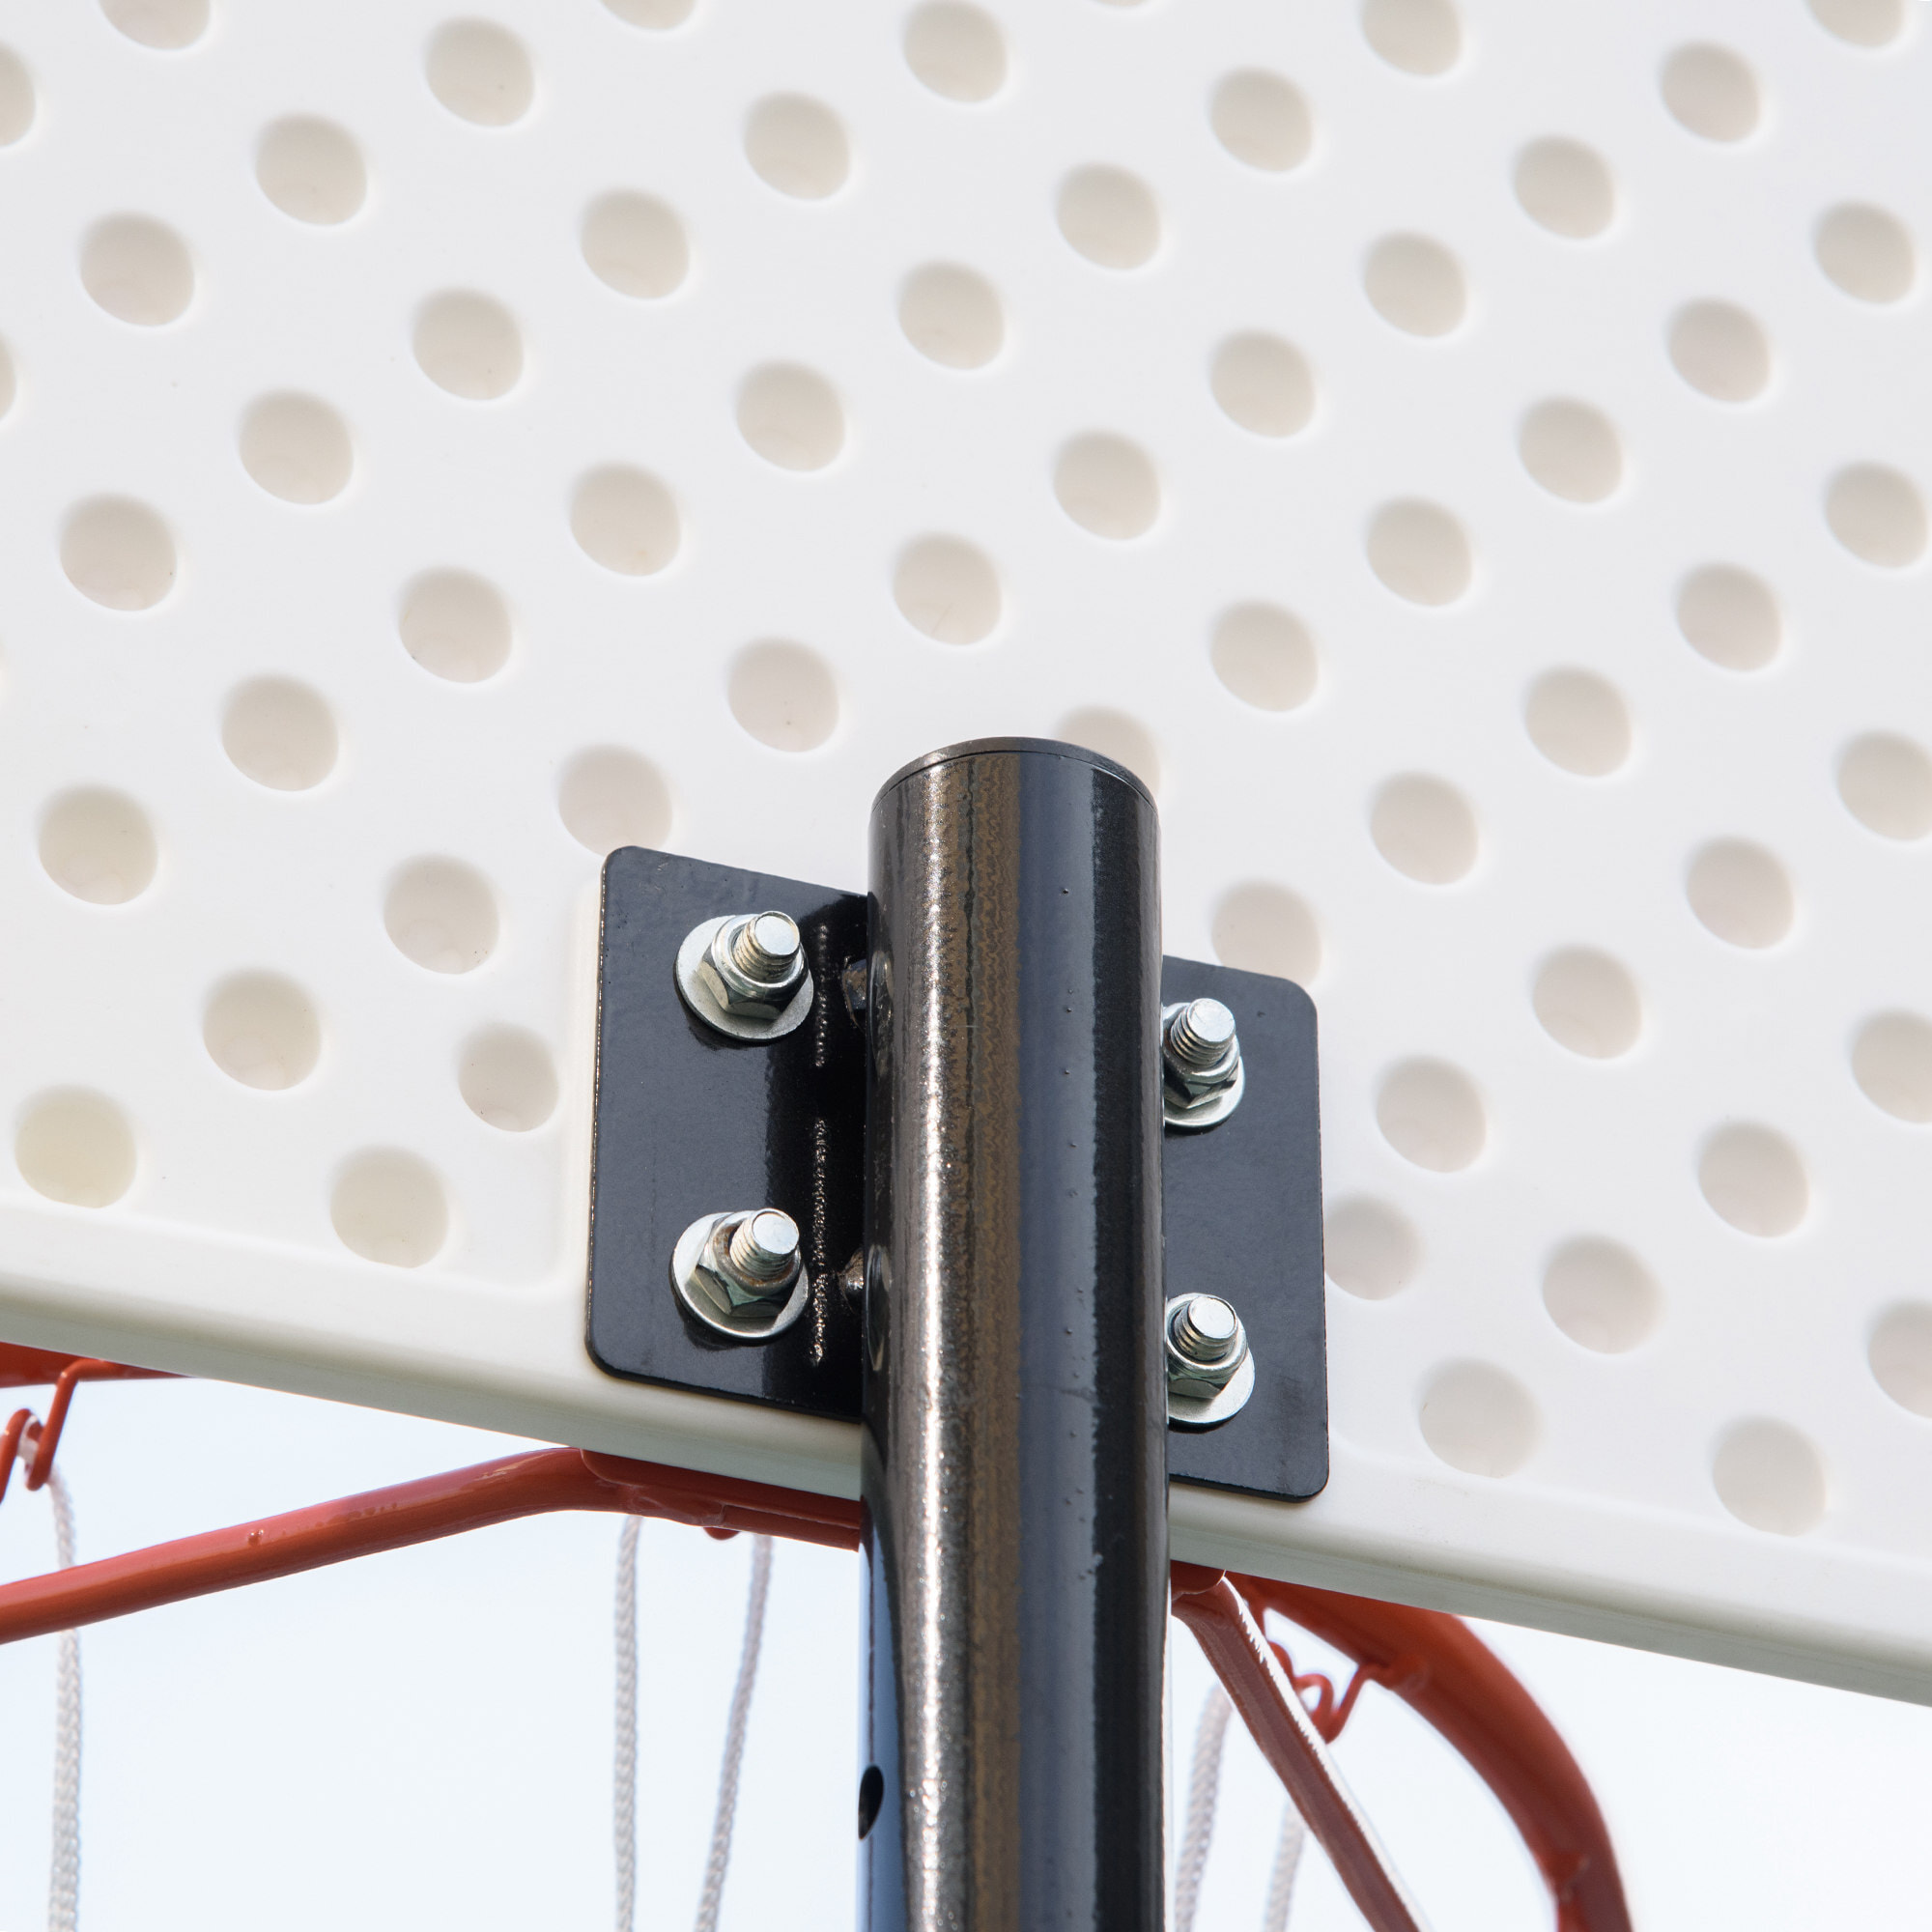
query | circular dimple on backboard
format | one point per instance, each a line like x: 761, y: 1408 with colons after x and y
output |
x: 625, y: 520
x: 1740, y: 894
x: 1266, y: 657
x: 797, y: 146
x: 76, y: 1147
x: 657, y: 16
x: 118, y: 553
x: 297, y: 448
x: 280, y: 734
x: 1479, y: 1420
x: 389, y: 1206
x: 468, y: 344
x: 1262, y: 927
x: 455, y: 625
x: 1601, y: 1295
x: 311, y: 169
x: 1262, y: 121
x: 952, y: 316
x: 1891, y: 1060
x: 791, y: 416
x: 1579, y: 722
x: 1719, y: 351
x: 1572, y: 450
x: 1867, y: 253
x: 138, y: 271
x: 480, y: 72
x: 1109, y: 216
x: 634, y: 245
x: 1415, y: 285
x: 1711, y: 92
x: 1420, y: 37
x: 1729, y: 616
x: 1424, y: 828
x: 1902, y: 1356
x: 1886, y: 785
x: 956, y: 51
x: 1107, y: 486
x: 1565, y: 187
x: 784, y: 695
x: 7, y: 383
x: 441, y: 914
x: 262, y: 1029
x: 1865, y: 23
x: 1588, y: 1002
x: 507, y: 1078
x: 1431, y: 1114
x: 1877, y: 513
x: 1262, y: 384
x: 1370, y: 1249
x: 1117, y: 736
x: 97, y: 845
x: 1753, y: 1177
x: 610, y: 797
x: 1419, y: 551
x: 163, y: 25
x: 16, y: 98
x: 1769, y: 1476
x: 947, y: 589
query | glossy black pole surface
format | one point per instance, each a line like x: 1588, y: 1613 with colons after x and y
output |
x: 1015, y: 1449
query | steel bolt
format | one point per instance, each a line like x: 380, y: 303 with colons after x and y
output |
x: 753, y: 1257
x: 1205, y: 1346
x: 755, y: 964
x: 1201, y: 1060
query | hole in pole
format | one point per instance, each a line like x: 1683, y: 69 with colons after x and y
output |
x: 871, y: 1795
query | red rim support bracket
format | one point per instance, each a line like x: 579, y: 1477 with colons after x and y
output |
x: 1432, y: 1661
x: 1470, y: 1696
x: 1268, y: 1704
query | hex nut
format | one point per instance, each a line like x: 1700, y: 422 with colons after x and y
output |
x: 753, y: 964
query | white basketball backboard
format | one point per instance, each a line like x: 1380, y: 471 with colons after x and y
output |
x: 1470, y: 461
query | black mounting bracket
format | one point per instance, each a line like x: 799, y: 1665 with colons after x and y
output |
x: 690, y: 1122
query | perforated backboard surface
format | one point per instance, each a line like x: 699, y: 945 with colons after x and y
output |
x: 1470, y: 461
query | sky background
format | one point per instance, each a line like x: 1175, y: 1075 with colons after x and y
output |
x: 425, y: 1737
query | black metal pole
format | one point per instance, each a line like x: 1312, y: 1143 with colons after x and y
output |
x: 1015, y: 1454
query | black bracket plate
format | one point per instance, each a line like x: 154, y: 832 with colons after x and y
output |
x: 689, y: 1122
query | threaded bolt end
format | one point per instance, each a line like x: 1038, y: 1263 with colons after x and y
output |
x: 1206, y: 1329
x: 763, y: 1249
x: 1201, y: 1036
x: 765, y: 947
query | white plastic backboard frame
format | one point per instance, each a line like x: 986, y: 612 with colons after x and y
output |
x: 1470, y: 461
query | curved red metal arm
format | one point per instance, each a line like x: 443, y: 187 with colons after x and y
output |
x: 1432, y: 1661
x: 1208, y: 1604
x: 1445, y: 1672
x: 22, y: 1368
